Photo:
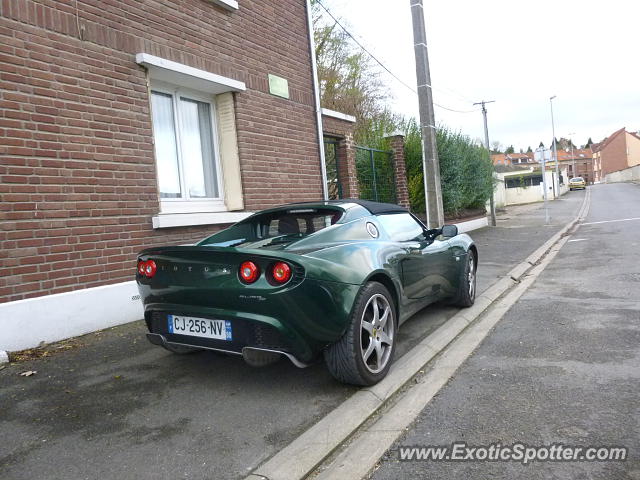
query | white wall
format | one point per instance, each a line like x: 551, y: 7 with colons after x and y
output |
x: 565, y: 176
x: 516, y: 196
x: 27, y: 323
x: 499, y: 193
x: 470, y: 225
x: 627, y: 175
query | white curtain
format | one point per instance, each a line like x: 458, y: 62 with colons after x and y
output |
x: 165, y: 145
x: 196, y: 138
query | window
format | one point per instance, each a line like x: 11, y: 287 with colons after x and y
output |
x: 402, y: 227
x: 523, y: 182
x: 189, y: 107
x: 276, y: 229
x: 186, y: 153
x: 297, y: 222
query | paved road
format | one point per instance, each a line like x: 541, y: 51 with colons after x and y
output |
x: 118, y: 407
x: 563, y: 366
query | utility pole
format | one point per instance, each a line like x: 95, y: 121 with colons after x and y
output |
x: 492, y: 205
x: 573, y: 158
x: 430, y: 163
x: 555, y: 150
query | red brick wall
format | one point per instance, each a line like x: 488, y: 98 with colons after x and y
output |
x: 400, y: 170
x: 347, y: 175
x: 614, y: 155
x: 77, y: 176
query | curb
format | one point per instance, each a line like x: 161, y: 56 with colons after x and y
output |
x: 4, y: 357
x: 465, y: 226
x: 304, y: 454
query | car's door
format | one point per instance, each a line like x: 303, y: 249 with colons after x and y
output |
x: 426, y: 260
x: 425, y: 269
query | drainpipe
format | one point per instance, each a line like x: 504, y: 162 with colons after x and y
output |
x: 316, y: 93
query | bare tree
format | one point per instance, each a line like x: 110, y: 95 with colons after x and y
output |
x: 349, y: 81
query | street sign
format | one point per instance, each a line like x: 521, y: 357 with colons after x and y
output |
x: 542, y: 154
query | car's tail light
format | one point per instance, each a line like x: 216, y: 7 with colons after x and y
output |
x: 281, y: 273
x: 147, y: 269
x: 150, y: 268
x: 249, y: 272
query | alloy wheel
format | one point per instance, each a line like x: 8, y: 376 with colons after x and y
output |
x: 471, y: 277
x: 377, y: 328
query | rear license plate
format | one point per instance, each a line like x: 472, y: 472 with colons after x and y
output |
x: 200, y: 327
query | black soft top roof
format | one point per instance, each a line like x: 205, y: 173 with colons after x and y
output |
x: 375, y: 208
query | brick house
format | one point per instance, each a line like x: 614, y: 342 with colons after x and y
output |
x: 619, y: 151
x: 132, y: 123
x: 577, y: 162
x: 513, y: 159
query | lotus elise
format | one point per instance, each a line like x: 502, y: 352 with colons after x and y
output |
x: 332, y: 279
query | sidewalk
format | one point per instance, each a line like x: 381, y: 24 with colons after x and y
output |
x: 118, y: 407
x: 562, y: 367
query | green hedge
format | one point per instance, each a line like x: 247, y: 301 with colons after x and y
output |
x: 466, y: 170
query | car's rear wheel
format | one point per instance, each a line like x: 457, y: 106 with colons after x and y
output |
x: 364, y: 354
x: 466, y: 294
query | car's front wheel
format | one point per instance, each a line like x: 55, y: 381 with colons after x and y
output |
x: 466, y: 294
x: 364, y: 354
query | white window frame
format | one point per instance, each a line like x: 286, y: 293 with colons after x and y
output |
x: 186, y: 204
x: 230, y: 5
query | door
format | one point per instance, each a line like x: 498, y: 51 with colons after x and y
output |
x: 426, y: 261
x: 424, y: 269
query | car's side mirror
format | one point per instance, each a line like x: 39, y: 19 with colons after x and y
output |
x: 449, y: 231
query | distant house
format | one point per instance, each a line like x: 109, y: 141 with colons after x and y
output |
x: 513, y: 159
x: 577, y: 163
x: 617, y: 152
x: 518, y: 185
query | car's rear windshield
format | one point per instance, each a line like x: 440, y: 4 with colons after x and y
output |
x: 276, y: 228
x: 577, y: 179
x: 299, y: 222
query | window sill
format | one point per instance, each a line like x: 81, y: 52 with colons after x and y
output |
x: 170, y: 207
x: 192, y: 219
x: 228, y: 4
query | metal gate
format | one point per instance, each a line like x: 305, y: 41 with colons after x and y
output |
x: 331, y: 164
x: 376, y: 175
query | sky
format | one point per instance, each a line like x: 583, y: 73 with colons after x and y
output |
x: 517, y: 53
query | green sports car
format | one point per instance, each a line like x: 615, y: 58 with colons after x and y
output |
x: 333, y: 279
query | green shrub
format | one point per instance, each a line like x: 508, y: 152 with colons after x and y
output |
x: 466, y: 170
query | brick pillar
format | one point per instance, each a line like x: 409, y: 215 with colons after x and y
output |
x: 400, y: 170
x: 347, y: 167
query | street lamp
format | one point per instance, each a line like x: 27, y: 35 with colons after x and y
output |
x: 555, y: 150
x: 541, y: 156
